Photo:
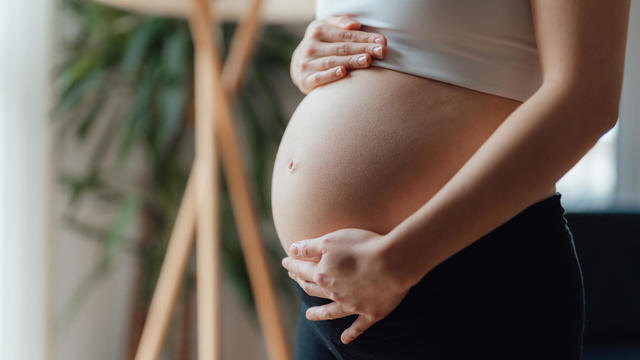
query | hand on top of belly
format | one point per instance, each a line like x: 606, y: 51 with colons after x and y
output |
x: 331, y: 46
x: 350, y: 267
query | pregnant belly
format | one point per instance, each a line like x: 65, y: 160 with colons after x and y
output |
x: 370, y: 149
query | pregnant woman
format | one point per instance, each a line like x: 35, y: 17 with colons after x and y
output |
x: 414, y: 187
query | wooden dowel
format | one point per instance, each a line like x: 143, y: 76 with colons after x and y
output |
x: 157, y: 321
x: 241, y: 49
x: 169, y: 279
x: 207, y: 187
x: 248, y: 227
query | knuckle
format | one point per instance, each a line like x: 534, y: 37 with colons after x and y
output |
x: 329, y: 62
x: 347, y: 36
x: 305, y: 286
x: 346, y: 48
x: 342, y: 18
x: 342, y: 49
x: 359, y: 308
x: 308, y: 50
x: 326, y: 241
x: 303, y: 249
x: 310, y: 81
x: 320, y: 278
x: 335, y: 296
x: 315, y: 79
x: 375, y: 315
x: 315, y: 29
x: 304, y: 66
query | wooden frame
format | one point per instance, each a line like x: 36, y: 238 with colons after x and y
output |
x: 215, y: 134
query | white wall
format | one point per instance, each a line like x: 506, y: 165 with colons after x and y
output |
x: 25, y: 34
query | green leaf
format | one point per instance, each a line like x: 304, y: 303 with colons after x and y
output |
x: 89, y: 119
x: 140, y: 45
x: 172, y: 103
x: 77, y: 186
x: 114, y: 239
x: 77, y: 79
x: 176, y: 54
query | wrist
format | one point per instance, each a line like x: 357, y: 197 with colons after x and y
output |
x: 400, y: 254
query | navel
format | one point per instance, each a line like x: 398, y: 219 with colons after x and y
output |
x: 292, y: 165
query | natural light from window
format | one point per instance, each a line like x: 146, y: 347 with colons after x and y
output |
x: 591, y: 183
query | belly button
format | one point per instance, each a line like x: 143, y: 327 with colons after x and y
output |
x: 292, y: 165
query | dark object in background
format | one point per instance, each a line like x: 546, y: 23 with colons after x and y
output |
x: 608, y: 245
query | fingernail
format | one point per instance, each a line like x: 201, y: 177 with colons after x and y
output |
x: 377, y: 50
x: 362, y: 59
x: 346, y: 23
x: 294, y: 249
x: 379, y: 40
x: 339, y: 71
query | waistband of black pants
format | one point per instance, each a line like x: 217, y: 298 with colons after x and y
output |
x: 548, y: 211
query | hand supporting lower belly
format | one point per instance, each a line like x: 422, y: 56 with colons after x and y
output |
x: 349, y: 267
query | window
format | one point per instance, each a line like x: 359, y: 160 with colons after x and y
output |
x: 591, y: 183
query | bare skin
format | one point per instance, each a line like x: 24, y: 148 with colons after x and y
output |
x: 365, y: 262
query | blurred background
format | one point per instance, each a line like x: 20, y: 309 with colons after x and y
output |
x: 96, y: 116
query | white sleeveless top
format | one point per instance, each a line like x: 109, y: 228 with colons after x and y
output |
x: 484, y: 45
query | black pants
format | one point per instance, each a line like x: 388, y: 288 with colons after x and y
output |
x: 515, y: 293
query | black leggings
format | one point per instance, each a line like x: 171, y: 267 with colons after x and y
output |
x: 515, y: 293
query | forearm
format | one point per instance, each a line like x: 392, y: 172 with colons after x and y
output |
x: 538, y: 143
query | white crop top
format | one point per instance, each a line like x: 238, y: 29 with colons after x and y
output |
x: 484, y: 45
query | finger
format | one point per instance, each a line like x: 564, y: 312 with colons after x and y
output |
x: 344, y: 22
x: 308, y: 247
x: 356, y: 329
x: 359, y: 61
x: 348, y: 48
x: 315, y: 79
x: 326, y: 312
x: 312, y: 289
x: 301, y: 269
x: 329, y: 33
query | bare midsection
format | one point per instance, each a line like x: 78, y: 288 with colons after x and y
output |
x: 368, y: 150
